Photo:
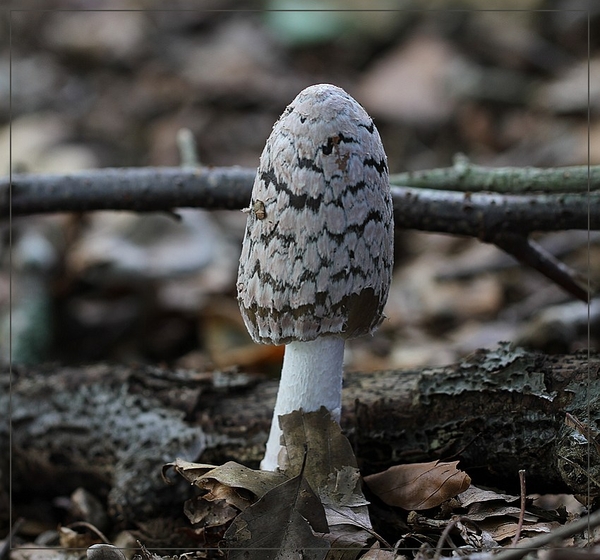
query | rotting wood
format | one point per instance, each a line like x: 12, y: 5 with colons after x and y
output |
x: 498, y: 412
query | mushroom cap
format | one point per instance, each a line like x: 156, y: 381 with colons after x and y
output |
x: 318, y: 249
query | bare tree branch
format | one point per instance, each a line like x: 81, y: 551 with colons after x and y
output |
x: 503, y: 219
x: 486, y: 215
x: 144, y: 189
x: 481, y: 215
x: 534, y: 255
x: 467, y: 177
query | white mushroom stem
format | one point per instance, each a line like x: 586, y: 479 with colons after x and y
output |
x: 311, y: 377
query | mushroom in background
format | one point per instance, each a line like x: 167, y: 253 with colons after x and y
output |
x: 317, y: 255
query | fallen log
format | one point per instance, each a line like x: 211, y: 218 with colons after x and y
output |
x: 110, y: 428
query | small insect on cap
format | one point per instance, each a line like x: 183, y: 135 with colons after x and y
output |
x: 318, y: 250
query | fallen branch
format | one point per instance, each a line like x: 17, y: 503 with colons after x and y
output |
x: 485, y: 215
x: 467, y: 177
x: 147, y: 189
x: 534, y: 255
x: 144, y: 189
x: 490, y: 217
x: 499, y: 412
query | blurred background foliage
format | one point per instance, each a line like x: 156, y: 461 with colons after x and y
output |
x: 89, y: 88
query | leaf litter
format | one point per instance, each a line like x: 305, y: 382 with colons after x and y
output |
x: 315, y: 506
x: 517, y: 146
x: 419, y: 486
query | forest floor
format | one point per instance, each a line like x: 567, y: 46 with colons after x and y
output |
x: 93, y: 89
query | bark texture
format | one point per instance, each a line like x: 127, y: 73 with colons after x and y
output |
x: 159, y: 189
x: 110, y: 429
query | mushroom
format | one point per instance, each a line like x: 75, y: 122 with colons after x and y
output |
x: 317, y: 255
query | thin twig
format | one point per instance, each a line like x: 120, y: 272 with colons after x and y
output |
x: 89, y: 527
x: 556, y: 535
x: 535, y: 256
x: 586, y: 430
x: 186, y: 143
x: 580, y: 470
x: 7, y: 545
x: 522, y: 510
x: 445, y: 536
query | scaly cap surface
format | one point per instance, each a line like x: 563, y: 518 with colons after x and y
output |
x: 318, y: 249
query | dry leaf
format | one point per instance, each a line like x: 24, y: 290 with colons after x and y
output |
x: 502, y: 530
x: 130, y: 246
x: 485, y: 510
x: 344, y: 488
x: 331, y: 470
x: 218, y: 491
x: 473, y: 495
x: 420, y: 485
x: 229, y: 489
x: 288, y: 511
x: 347, y: 542
x: 209, y: 514
x: 279, y: 525
x: 474, y: 536
x: 232, y: 475
x: 189, y: 471
x: 375, y: 553
x: 318, y: 436
x: 409, y: 83
x: 73, y: 539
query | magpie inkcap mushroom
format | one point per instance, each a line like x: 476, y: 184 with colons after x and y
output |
x: 317, y: 255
